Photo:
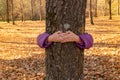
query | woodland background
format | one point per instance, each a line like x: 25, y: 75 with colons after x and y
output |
x: 22, y: 59
x: 35, y: 9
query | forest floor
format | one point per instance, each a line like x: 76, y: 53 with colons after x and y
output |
x: 22, y: 59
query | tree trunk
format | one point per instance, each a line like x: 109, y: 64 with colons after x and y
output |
x: 7, y: 10
x: 105, y: 8
x: 95, y: 8
x: 12, y: 12
x: 110, y: 11
x: 64, y: 61
x: 90, y: 14
x: 22, y: 12
x: 1, y: 16
x: 118, y: 8
x: 32, y: 13
x: 40, y: 10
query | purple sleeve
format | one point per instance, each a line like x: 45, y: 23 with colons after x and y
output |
x: 87, y: 41
x: 41, y: 40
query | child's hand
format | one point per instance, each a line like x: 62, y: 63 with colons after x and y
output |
x: 69, y: 36
x: 56, y: 37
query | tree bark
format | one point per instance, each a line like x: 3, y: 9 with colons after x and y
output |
x: 64, y: 61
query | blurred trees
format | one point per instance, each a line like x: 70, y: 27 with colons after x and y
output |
x: 35, y: 9
x: 95, y: 8
x: 110, y: 7
x: 13, y: 18
x: 40, y: 10
x: 22, y: 10
x: 118, y: 7
x: 91, y: 12
x: 109, y: 2
x: 2, y: 9
x: 32, y: 9
x: 7, y: 10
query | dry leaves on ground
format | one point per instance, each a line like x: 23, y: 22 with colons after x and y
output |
x: 22, y: 59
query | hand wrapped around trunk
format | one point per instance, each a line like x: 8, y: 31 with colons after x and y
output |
x: 84, y: 41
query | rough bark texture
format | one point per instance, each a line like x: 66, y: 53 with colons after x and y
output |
x: 65, y: 61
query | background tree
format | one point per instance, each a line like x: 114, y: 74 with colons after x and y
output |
x: 7, y: 10
x: 3, y: 10
x: 110, y: 10
x: 95, y: 8
x: 40, y: 10
x: 22, y: 11
x: 109, y: 2
x: 65, y: 61
x: 90, y: 13
x: 26, y: 12
x: 35, y: 8
x: 12, y: 4
x: 105, y: 8
x: 32, y: 9
x: 118, y: 7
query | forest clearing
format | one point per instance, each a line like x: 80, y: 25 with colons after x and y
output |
x: 22, y: 59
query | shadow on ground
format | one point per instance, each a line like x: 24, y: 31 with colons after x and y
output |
x: 31, y: 68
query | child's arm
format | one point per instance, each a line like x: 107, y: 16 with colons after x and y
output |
x: 42, y: 40
x: 83, y: 41
x: 87, y: 41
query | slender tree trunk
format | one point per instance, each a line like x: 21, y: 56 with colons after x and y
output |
x: 2, y: 17
x: 64, y: 61
x: 22, y: 12
x: 40, y: 10
x: 110, y: 11
x: 90, y: 13
x: 95, y: 8
x: 12, y: 12
x: 32, y: 13
x: 105, y: 8
x: 118, y: 8
x: 7, y: 10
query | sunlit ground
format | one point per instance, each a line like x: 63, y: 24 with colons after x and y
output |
x: 19, y: 41
x: 21, y: 58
